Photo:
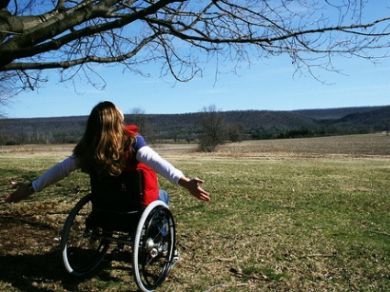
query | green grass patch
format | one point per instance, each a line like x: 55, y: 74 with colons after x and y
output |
x: 273, y: 224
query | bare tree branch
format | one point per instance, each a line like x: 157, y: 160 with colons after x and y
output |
x: 67, y: 33
x: 80, y: 61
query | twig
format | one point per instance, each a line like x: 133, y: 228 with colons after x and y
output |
x: 381, y: 233
x: 318, y: 255
x: 226, y: 259
x: 226, y: 286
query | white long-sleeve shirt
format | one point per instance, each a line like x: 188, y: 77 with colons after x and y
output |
x: 144, y: 154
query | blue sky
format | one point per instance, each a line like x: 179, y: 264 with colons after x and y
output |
x: 267, y: 84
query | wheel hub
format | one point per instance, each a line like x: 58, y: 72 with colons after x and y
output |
x: 150, y: 247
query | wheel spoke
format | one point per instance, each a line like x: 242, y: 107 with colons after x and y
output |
x: 155, y: 250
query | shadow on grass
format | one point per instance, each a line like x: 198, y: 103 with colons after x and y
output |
x: 7, y: 220
x: 28, y: 270
x: 44, y: 272
x: 33, y: 272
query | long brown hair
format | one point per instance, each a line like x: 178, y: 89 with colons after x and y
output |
x: 102, y: 149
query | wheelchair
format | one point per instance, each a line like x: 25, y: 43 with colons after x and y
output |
x: 112, y: 215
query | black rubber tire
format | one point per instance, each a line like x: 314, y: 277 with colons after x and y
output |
x: 154, y: 246
x: 82, y: 249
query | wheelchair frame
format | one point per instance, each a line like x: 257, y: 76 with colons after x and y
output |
x: 84, y: 243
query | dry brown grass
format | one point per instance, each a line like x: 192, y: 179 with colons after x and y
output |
x: 352, y: 145
x: 281, y: 219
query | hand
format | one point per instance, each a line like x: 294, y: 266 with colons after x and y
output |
x: 22, y: 192
x: 193, y: 186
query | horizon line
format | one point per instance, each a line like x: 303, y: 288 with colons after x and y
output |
x: 4, y: 117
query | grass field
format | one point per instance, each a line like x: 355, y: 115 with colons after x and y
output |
x: 286, y: 215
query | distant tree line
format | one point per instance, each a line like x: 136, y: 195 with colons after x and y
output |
x: 209, y: 128
x: 39, y: 137
x: 41, y: 131
x: 261, y: 134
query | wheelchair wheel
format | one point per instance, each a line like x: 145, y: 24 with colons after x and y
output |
x: 154, y: 246
x: 83, y: 248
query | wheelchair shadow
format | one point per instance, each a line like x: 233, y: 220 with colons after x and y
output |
x: 31, y: 272
x: 26, y: 272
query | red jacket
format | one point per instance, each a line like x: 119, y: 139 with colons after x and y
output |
x: 150, y: 180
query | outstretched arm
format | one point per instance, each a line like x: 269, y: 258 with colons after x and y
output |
x: 151, y: 158
x: 51, y: 176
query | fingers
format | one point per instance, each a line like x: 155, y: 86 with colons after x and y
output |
x: 202, y: 194
x: 22, y: 191
x: 15, y: 196
x: 204, y: 197
x: 7, y: 199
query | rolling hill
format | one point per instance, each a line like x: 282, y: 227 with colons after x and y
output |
x: 251, y: 124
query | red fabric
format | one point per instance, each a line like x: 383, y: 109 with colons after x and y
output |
x: 131, y: 130
x: 151, y: 187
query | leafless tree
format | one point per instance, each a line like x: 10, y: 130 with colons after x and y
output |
x: 71, y: 35
x: 138, y: 116
x: 213, y: 129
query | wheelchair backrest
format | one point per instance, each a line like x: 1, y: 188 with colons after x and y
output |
x: 121, y: 193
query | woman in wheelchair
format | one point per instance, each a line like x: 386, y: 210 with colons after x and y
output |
x: 122, y: 170
x: 108, y: 147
